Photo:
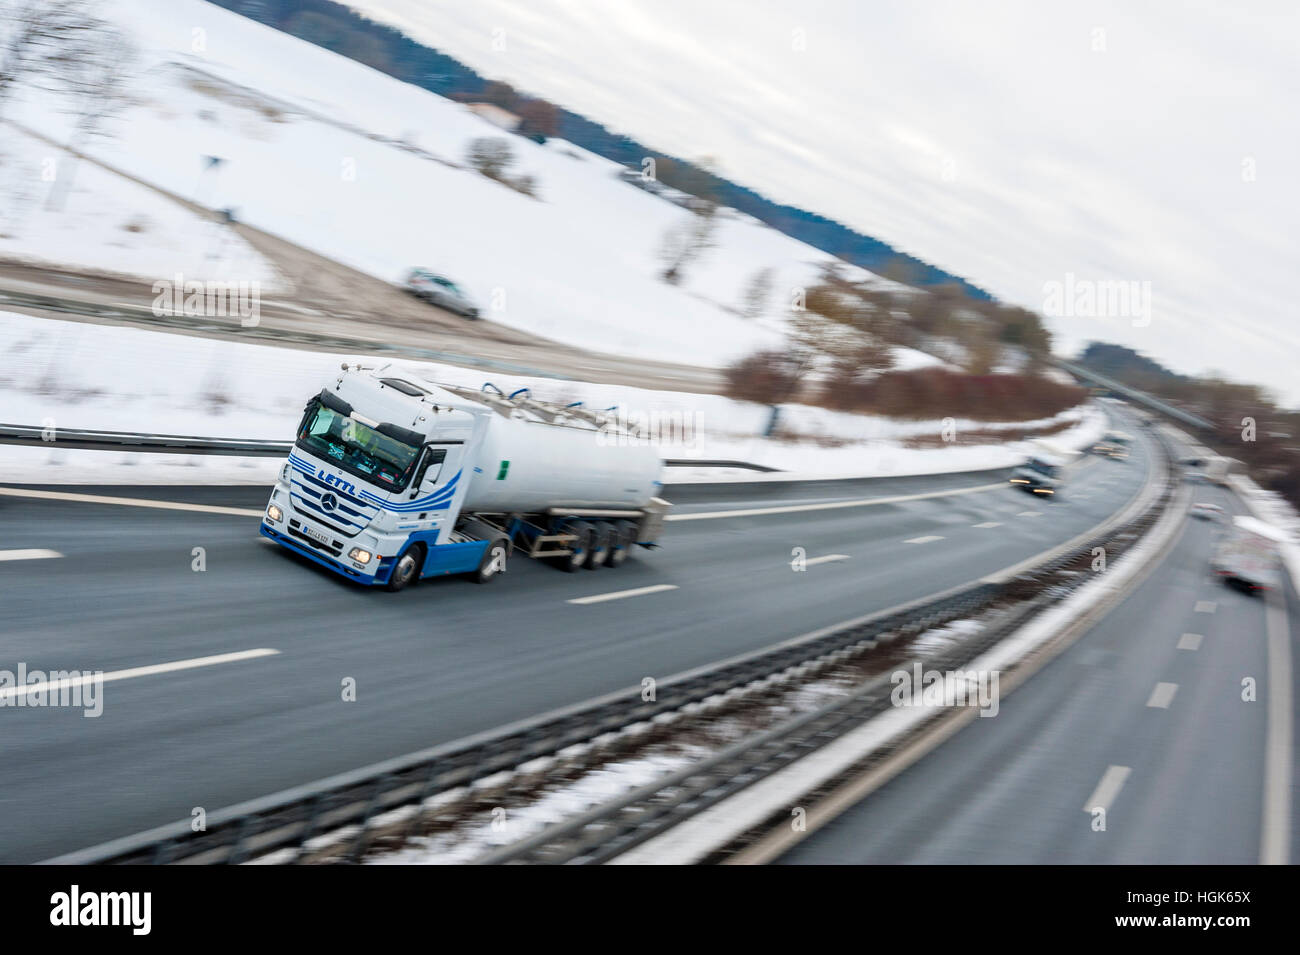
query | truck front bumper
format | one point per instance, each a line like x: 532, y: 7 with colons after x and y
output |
x: 340, y: 567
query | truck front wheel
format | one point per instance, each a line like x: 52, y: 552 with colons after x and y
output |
x: 407, y: 567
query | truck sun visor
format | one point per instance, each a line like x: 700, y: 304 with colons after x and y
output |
x: 335, y: 403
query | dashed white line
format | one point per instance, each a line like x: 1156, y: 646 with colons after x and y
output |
x: 620, y: 594
x: 1029, y: 514
x: 1205, y: 606
x: 1190, y: 641
x: 12, y: 692
x: 931, y: 538
x: 30, y: 553
x: 1112, y: 780
x: 824, y: 559
x: 1162, y: 695
x: 988, y: 524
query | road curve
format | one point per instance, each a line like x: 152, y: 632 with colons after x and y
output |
x: 1143, y: 715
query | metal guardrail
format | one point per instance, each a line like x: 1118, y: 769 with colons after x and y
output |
x: 615, y: 827
x: 189, y: 444
x: 291, y: 820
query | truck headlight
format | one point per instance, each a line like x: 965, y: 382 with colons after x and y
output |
x: 274, y: 513
x: 359, y: 555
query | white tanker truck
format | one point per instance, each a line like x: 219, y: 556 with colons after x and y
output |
x: 393, y: 479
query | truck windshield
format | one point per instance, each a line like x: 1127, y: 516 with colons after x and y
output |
x: 356, y: 448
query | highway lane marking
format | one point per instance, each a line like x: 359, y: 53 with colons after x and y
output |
x: 30, y: 553
x: 1190, y: 641
x: 130, y: 502
x: 988, y: 524
x: 1029, y: 514
x: 620, y: 594
x: 1205, y: 606
x: 825, y: 559
x: 829, y: 506
x: 1112, y: 780
x: 929, y: 538
x: 1275, y: 827
x: 9, y: 693
x: 1162, y: 695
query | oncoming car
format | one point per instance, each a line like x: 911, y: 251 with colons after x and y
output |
x: 441, y: 291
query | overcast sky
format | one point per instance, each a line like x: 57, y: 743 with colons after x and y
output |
x: 1013, y: 143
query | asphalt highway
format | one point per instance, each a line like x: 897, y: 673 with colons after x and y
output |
x: 440, y: 661
x: 1143, y: 716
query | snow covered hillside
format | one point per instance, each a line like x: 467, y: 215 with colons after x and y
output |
x: 370, y: 171
x: 108, y: 223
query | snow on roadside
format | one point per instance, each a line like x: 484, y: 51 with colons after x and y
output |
x: 65, y: 374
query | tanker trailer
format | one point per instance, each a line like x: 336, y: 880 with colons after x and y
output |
x: 393, y: 478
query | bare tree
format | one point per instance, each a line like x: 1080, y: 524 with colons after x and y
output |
x: 490, y: 155
x: 684, y: 244
x: 757, y: 292
x: 33, y: 34
x: 95, y: 68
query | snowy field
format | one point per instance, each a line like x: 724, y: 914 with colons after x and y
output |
x: 79, y: 375
x: 369, y: 171
x: 108, y: 223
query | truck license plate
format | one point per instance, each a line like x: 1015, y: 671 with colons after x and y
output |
x: 315, y: 534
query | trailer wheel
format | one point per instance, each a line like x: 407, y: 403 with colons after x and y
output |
x: 581, y: 548
x: 602, y: 542
x: 622, y: 537
x: 407, y: 567
x: 493, y: 562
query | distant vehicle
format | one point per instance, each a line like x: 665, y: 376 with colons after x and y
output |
x: 1114, y: 444
x: 1044, y: 472
x: 441, y: 291
x: 1248, y: 556
x: 1218, y: 469
x: 1208, y: 512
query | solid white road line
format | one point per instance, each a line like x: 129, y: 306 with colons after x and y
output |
x: 1107, y: 789
x: 31, y: 553
x: 1190, y: 641
x: 1029, y: 514
x: 12, y: 692
x: 1275, y: 828
x: 923, y: 540
x: 1205, y: 606
x: 130, y: 502
x: 830, y: 506
x: 620, y: 594
x: 988, y: 524
x: 825, y: 559
x: 1162, y: 695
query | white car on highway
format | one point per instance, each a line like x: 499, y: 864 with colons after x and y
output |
x: 441, y: 291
